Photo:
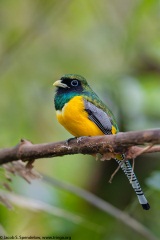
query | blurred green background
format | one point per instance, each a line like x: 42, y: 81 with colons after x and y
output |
x: 116, y: 46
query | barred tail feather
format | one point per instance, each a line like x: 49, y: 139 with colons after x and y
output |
x: 127, y: 169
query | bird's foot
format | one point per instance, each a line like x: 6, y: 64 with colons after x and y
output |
x: 70, y: 139
x: 79, y: 139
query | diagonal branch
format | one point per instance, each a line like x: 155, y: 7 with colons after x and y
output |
x: 119, y: 143
x: 103, y: 206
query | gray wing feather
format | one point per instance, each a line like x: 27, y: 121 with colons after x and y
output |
x: 99, y: 117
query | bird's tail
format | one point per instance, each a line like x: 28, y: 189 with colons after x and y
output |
x: 127, y: 169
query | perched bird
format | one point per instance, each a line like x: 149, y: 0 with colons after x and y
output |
x: 82, y: 113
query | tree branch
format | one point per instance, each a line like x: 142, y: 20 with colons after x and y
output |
x: 118, y: 143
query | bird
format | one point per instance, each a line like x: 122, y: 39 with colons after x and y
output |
x: 82, y: 113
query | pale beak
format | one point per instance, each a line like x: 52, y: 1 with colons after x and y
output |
x: 59, y: 83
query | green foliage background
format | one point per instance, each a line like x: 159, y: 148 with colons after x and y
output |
x: 116, y: 46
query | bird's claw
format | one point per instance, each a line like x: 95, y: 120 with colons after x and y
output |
x: 70, y: 139
x: 79, y: 139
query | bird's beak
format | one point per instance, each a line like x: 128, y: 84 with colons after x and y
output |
x: 59, y: 83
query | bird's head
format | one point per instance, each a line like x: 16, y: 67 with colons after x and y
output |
x: 71, y: 83
x: 69, y: 86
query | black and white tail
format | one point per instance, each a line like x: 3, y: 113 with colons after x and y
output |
x: 127, y: 169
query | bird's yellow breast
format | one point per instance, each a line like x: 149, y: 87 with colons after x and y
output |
x: 75, y: 119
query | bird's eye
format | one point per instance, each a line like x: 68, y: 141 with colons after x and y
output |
x: 74, y: 83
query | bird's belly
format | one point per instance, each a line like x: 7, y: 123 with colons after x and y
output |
x: 75, y: 119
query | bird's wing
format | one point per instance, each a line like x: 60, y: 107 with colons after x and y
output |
x: 99, y: 117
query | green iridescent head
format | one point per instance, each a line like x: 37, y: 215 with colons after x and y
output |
x: 68, y: 86
x: 71, y: 82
